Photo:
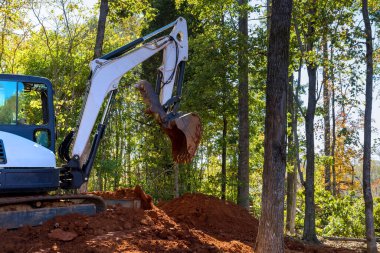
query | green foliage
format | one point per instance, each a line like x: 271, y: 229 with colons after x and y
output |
x: 376, y: 214
x: 8, y: 111
x: 336, y: 216
x: 341, y: 216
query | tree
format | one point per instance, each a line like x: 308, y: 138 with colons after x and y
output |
x: 214, y: 64
x: 243, y: 167
x: 270, y: 236
x: 369, y: 222
x: 309, y: 233
x: 326, y: 111
x: 291, y: 184
x: 103, y: 12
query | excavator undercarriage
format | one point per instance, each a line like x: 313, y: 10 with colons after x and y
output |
x: 17, y: 211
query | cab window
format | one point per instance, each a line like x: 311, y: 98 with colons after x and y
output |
x: 8, y: 101
x: 23, y: 103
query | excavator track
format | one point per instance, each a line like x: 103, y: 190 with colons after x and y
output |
x: 18, y: 211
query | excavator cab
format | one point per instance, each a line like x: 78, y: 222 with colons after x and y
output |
x: 26, y: 108
x: 27, y: 134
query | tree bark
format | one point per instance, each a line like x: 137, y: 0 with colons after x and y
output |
x: 243, y: 165
x: 369, y: 221
x: 271, y: 234
x: 176, y: 180
x: 291, y: 190
x: 309, y: 233
x: 297, y: 165
x: 269, y: 13
x: 326, y: 112
x: 103, y: 12
x: 334, y: 184
x: 224, y: 157
x: 333, y: 168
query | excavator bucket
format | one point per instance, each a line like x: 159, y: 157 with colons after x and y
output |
x: 185, y: 133
x: 184, y: 130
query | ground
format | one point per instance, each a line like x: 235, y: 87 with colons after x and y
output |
x: 191, y: 223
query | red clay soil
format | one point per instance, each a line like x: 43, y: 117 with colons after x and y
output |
x: 122, y: 193
x: 210, y: 214
x: 128, y: 194
x: 191, y: 223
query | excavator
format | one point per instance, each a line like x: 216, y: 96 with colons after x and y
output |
x: 28, y: 171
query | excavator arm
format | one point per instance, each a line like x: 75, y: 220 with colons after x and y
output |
x: 184, y: 130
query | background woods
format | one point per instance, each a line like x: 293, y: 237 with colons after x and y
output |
x: 326, y: 123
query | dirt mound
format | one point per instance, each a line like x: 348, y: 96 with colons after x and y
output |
x: 146, y: 200
x: 122, y: 193
x: 192, y: 223
x: 128, y: 194
x: 117, y: 230
x: 207, y: 213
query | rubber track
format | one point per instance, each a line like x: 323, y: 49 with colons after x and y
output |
x: 96, y: 200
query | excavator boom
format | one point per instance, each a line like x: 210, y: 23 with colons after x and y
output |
x: 183, y: 129
x: 28, y: 168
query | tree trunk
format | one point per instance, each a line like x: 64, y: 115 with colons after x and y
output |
x: 271, y: 234
x: 369, y: 221
x: 176, y: 180
x: 269, y: 13
x: 309, y: 233
x: 243, y: 166
x: 224, y: 157
x: 291, y: 193
x: 118, y: 158
x: 333, y: 169
x: 103, y: 12
x: 326, y: 112
x: 297, y: 165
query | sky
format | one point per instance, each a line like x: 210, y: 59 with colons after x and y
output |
x: 90, y: 2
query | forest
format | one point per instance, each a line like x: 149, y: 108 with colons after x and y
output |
x: 323, y: 151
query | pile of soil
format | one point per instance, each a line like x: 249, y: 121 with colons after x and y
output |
x: 128, y: 194
x: 210, y: 214
x: 191, y: 223
x: 122, y: 193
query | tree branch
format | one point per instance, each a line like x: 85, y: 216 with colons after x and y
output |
x: 297, y: 90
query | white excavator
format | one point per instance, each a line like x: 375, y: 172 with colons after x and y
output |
x: 28, y: 170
